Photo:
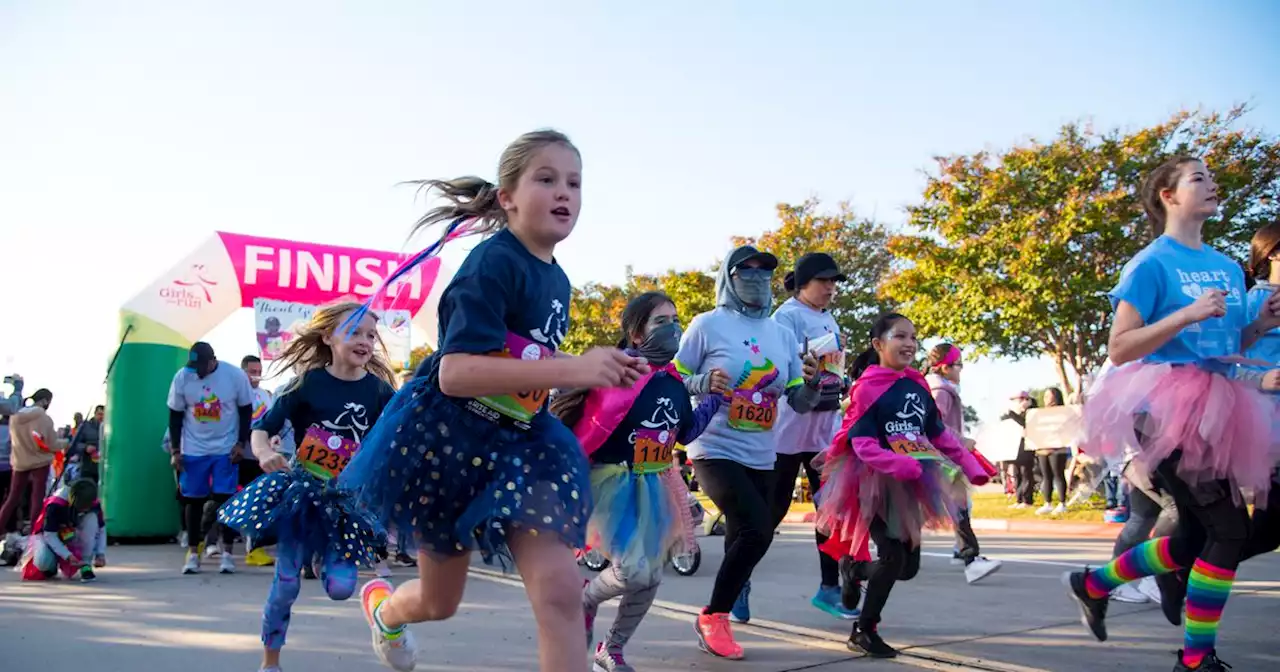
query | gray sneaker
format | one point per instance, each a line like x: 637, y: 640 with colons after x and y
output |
x: 192, y: 566
x: 609, y: 661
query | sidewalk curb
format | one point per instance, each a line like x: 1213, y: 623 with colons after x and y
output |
x: 1036, y: 527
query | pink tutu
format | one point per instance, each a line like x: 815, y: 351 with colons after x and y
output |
x: 853, y: 495
x: 1222, y: 426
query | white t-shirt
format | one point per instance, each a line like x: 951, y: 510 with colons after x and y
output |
x: 210, y: 405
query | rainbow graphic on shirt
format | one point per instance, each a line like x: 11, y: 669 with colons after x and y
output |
x: 209, y: 409
x: 259, y: 410
x: 756, y: 377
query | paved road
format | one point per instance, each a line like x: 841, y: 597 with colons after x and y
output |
x: 143, y: 615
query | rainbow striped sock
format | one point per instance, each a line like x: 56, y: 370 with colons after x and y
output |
x: 1146, y: 559
x: 1208, y: 588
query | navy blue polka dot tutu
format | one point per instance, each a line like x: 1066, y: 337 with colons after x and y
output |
x: 462, y: 482
x: 296, y: 506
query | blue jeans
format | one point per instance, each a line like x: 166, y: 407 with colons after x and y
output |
x: 338, y: 575
x: 1114, y: 490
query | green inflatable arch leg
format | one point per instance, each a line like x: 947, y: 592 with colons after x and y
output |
x: 137, y: 481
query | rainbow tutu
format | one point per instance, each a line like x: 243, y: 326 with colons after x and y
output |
x: 640, y: 520
x: 1220, y: 428
x: 853, y: 495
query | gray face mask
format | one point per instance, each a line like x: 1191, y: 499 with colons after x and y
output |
x: 753, y: 290
x: 660, y: 346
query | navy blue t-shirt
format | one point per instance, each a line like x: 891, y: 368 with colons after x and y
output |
x: 503, y: 300
x: 655, y: 418
x: 330, y: 417
x: 903, y: 420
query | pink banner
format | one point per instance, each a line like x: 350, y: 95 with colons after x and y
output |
x: 288, y: 270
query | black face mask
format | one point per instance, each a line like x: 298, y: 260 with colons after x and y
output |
x: 660, y: 346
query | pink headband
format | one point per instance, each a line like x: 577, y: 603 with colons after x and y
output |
x: 950, y: 358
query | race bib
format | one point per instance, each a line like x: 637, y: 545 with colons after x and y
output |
x: 913, y: 446
x: 523, y: 405
x: 653, y: 451
x: 325, y: 454
x: 751, y: 411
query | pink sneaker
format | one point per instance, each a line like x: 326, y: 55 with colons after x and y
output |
x: 715, y: 636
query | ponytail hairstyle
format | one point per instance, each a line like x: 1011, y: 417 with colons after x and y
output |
x: 1163, y: 178
x: 1265, y: 243
x: 567, y: 405
x: 308, y: 351
x: 472, y: 207
x: 870, y: 357
x: 476, y: 198
x: 940, y: 357
x: 789, y: 283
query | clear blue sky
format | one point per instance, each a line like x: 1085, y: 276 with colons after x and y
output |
x: 127, y: 136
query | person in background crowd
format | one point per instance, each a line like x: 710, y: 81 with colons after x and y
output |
x: 34, y: 440
x: 1053, y: 466
x: 8, y: 406
x: 255, y: 547
x: 68, y: 535
x: 1024, y: 467
x: 87, y: 442
x: 944, y: 364
x: 210, y: 410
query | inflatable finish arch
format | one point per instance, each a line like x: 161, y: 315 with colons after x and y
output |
x: 159, y: 325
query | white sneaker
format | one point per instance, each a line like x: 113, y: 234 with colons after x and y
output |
x: 213, y: 551
x: 1019, y: 505
x: 980, y: 569
x: 192, y: 565
x: 1044, y: 510
x: 182, y: 539
x: 1058, y: 510
x: 399, y: 654
x: 226, y: 565
x: 1129, y: 594
x: 1148, y: 587
x: 382, y: 569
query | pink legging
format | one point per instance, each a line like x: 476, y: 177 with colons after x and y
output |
x: 36, y: 478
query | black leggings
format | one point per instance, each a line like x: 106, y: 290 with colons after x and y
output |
x: 744, y: 497
x: 199, y: 525
x: 895, y: 561
x: 787, y: 467
x: 1265, y: 535
x: 1053, y: 471
x: 1211, y: 525
x: 1024, y: 470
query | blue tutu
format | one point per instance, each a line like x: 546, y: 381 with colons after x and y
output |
x: 462, y: 482
x: 298, y: 507
x: 640, y: 520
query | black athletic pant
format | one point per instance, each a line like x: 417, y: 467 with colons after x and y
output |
x: 895, y: 561
x: 1024, y: 470
x: 966, y: 541
x: 787, y: 467
x: 1265, y: 535
x: 199, y: 524
x: 744, y: 496
x: 1211, y: 525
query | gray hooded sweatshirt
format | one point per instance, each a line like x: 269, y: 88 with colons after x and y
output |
x: 762, y: 359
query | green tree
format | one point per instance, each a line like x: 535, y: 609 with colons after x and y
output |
x: 859, y: 247
x: 418, y: 354
x: 596, y: 308
x: 1016, y: 251
x: 970, y: 415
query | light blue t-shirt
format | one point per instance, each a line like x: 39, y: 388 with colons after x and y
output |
x: 211, y: 406
x: 811, y: 432
x: 1267, y: 347
x: 762, y: 359
x: 1167, y: 276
